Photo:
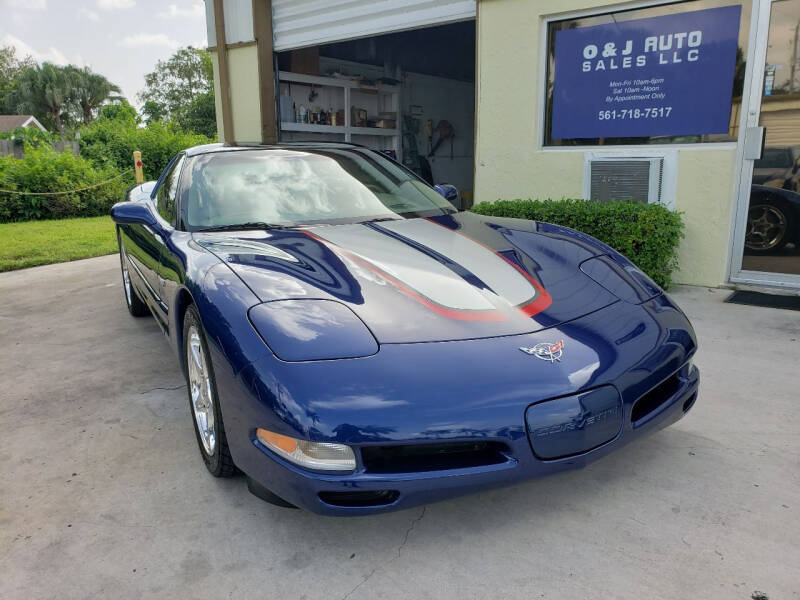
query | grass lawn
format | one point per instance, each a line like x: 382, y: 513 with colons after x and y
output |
x: 43, y: 242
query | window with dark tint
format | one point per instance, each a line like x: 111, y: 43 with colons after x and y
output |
x: 775, y: 158
x: 632, y: 15
x: 301, y: 186
x: 168, y: 192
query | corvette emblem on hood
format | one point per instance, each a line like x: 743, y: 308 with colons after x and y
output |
x: 546, y: 351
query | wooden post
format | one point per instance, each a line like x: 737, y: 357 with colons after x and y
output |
x: 262, y: 31
x: 137, y: 166
x: 228, y: 134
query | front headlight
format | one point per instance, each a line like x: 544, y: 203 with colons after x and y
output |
x: 321, y: 456
x: 312, y: 329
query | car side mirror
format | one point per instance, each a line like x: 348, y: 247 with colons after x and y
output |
x: 132, y: 213
x: 450, y: 193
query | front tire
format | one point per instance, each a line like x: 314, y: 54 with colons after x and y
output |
x: 136, y: 306
x: 203, y: 398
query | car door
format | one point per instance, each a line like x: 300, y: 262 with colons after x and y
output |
x: 172, y: 264
x: 143, y: 245
x: 164, y: 198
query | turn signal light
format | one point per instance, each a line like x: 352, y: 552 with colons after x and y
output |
x: 321, y: 456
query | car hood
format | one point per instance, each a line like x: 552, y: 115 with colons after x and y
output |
x: 453, y: 277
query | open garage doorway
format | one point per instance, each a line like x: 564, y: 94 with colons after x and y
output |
x: 410, y: 94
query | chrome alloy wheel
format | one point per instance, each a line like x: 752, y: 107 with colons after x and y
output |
x: 126, y: 277
x: 200, y: 390
x: 766, y: 227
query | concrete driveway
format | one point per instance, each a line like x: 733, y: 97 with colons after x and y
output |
x: 103, y: 493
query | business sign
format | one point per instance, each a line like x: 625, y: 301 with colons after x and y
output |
x: 669, y: 75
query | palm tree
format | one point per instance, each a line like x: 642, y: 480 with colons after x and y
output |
x: 90, y: 90
x: 43, y: 91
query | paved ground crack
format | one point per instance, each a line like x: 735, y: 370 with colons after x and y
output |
x: 177, y: 387
x: 363, y: 581
x: 399, y: 549
x: 410, y: 528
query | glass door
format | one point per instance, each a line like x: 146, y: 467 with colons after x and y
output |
x: 768, y: 232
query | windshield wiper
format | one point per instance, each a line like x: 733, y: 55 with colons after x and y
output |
x: 379, y: 219
x: 245, y: 226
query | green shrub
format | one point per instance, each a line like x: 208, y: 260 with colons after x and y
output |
x: 647, y: 234
x: 112, y: 142
x: 45, y: 170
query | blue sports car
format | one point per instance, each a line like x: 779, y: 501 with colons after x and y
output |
x: 353, y: 344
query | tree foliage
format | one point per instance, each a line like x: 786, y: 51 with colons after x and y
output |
x: 200, y: 115
x: 120, y: 111
x: 43, y: 90
x: 89, y: 91
x: 10, y: 67
x: 153, y: 111
x: 58, y: 96
x: 181, y: 89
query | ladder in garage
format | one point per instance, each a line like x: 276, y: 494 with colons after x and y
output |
x: 410, y: 152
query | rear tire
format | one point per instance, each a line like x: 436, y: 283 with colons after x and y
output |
x: 770, y: 225
x: 203, y: 399
x: 136, y: 306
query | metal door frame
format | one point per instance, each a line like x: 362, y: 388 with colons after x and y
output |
x: 751, y: 113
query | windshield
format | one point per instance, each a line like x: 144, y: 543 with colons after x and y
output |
x: 291, y: 187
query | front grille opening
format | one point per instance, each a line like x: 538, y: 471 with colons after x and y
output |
x: 359, y: 499
x: 653, y: 399
x: 690, y: 402
x: 432, y: 457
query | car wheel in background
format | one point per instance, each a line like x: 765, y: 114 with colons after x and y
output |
x: 769, y: 225
x: 136, y: 305
x: 203, y: 399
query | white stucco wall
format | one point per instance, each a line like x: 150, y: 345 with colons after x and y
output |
x: 244, y: 94
x: 245, y: 98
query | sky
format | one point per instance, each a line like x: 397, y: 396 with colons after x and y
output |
x: 120, y: 39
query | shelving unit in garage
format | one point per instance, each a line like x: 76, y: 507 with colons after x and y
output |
x: 341, y: 94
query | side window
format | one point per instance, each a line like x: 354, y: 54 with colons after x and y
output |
x: 168, y: 192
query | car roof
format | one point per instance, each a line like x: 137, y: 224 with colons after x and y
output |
x: 230, y: 147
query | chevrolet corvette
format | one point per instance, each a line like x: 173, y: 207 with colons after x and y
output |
x: 353, y: 344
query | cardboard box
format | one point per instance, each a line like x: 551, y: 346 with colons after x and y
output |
x: 305, y: 61
x: 358, y: 117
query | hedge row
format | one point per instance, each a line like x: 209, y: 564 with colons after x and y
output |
x: 648, y: 234
x: 109, y: 142
x: 107, y: 147
x: 44, y: 170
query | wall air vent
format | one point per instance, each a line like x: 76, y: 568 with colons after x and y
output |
x: 647, y: 179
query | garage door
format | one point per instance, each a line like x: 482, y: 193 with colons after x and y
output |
x: 299, y: 23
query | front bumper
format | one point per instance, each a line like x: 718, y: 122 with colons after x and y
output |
x: 418, y: 395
